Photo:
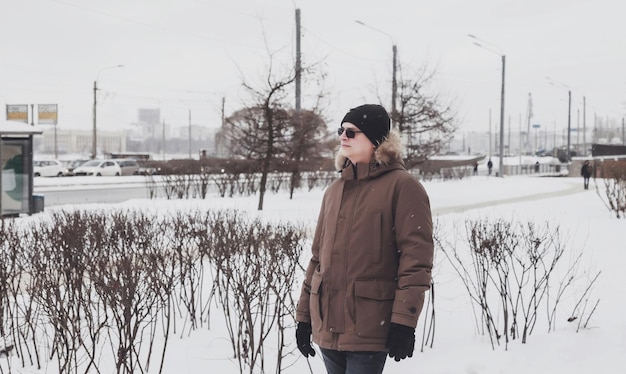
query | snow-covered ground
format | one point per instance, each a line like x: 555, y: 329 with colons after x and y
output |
x: 583, y: 220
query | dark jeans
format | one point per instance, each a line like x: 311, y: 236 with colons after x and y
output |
x: 340, y: 362
x: 586, y: 182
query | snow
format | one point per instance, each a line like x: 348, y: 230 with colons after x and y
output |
x: 583, y: 219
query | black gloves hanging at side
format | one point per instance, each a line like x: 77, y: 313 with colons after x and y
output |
x: 303, y: 338
x: 400, y: 341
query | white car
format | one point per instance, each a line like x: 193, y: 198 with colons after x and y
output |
x: 48, y: 168
x: 99, y: 168
x: 71, y: 165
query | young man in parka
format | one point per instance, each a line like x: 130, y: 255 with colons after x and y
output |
x: 372, y: 253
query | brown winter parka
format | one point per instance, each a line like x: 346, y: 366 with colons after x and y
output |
x: 372, y: 254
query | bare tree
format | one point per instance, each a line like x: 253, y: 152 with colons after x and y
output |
x: 255, y: 132
x: 425, y: 120
x: 308, y: 132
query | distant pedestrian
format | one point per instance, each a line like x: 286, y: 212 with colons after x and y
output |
x: 537, y: 167
x: 586, y: 171
x: 489, y: 166
x: 475, y: 168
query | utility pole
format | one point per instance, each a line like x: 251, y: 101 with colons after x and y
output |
x: 529, y: 118
x: 584, y: 126
x: 490, y: 133
x: 223, y: 111
x: 94, y: 140
x: 569, y: 115
x: 503, y: 57
x: 394, y: 85
x: 520, y: 142
x: 501, y: 160
x: 569, y: 123
x: 577, y: 128
x: 554, y: 140
x: 298, y: 61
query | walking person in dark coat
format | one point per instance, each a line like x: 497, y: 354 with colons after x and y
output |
x: 586, y: 171
x: 372, y: 253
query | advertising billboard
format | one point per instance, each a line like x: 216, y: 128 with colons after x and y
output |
x: 47, y: 114
x: 17, y: 112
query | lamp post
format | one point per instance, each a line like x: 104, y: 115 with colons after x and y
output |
x: 503, y: 57
x: 394, y: 85
x: 94, y: 139
x: 569, y: 114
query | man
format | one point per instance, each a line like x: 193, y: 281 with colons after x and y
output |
x: 372, y: 253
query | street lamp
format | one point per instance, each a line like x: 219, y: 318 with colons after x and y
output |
x: 394, y: 85
x: 569, y: 113
x: 503, y: 56
x: 94, y: 139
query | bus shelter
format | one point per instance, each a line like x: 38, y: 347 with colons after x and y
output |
x: 16, y: 158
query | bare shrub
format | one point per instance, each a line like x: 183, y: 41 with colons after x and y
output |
x: 187, y: 233
x: 255, y: 265
x: 614, y: 173
x: 509, y: 271
x: 125, y: 278
x: 16, y: 310
x: 59, y: 260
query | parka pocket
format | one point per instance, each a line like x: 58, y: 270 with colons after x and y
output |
x: 315, y: 302
x: 373, y: 304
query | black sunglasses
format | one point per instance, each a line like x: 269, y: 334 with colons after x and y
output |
x: 349, y: 132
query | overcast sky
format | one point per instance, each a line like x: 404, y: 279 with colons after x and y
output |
x: 186, y: 55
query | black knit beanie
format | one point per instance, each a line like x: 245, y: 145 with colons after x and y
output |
x: 372, y: 119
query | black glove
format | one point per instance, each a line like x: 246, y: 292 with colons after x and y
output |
x: 303, y: 337
x: 400, y: 341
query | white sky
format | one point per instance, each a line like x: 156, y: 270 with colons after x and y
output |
x: 187, y: 54
x: 585, y: 225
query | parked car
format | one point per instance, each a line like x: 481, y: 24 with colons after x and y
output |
x: 71, y: 165
x: 99, y: 168
x: 147, y: 167
x: 129, y: 166
x: 147, y: 170
x: 47, y: 168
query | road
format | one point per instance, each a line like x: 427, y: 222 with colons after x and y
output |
x: 88, y: 190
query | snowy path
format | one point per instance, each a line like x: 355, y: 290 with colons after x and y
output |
x: 573, y: 189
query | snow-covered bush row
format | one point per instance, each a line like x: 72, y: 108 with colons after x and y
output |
x: 185, y: 186
x: 86, y: 288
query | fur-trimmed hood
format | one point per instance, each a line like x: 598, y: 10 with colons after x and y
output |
x: 389, y: 151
